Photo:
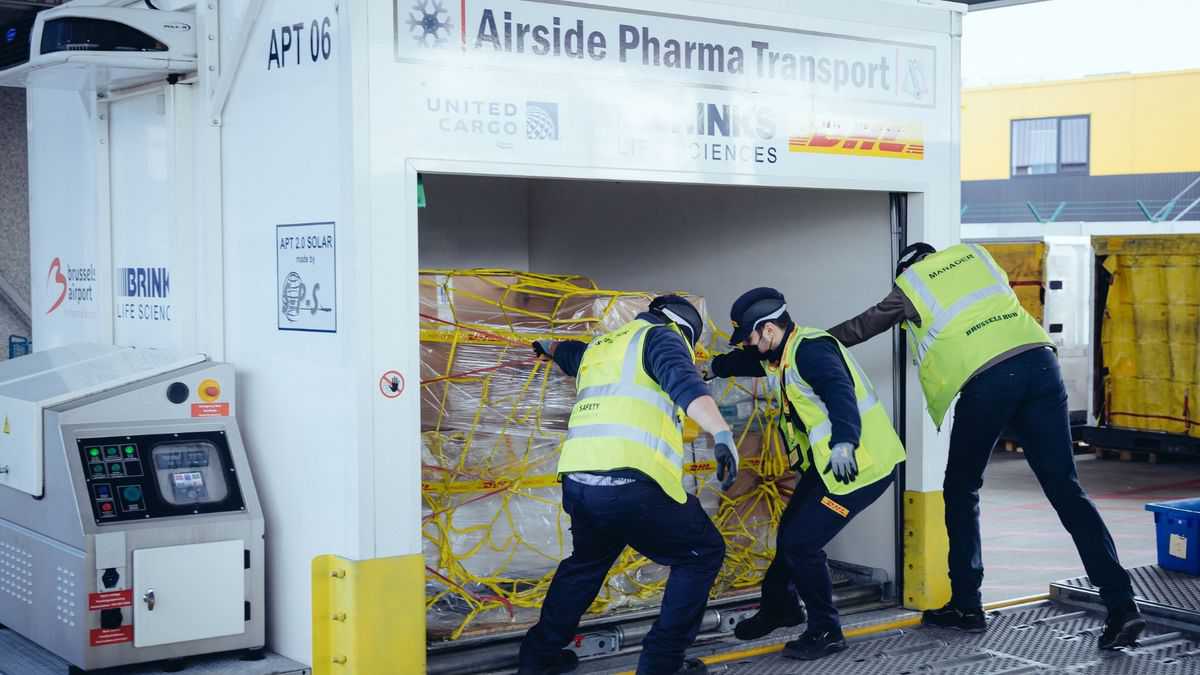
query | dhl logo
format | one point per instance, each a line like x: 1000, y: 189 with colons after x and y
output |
x: 865, y: 140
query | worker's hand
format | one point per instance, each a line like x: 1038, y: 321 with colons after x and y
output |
x: 842, y: 463
x: 727, y: 458
x: 544, y: 349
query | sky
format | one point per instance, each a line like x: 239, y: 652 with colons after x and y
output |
x: 1068, y: 39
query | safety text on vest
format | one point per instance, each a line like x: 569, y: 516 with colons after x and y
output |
x: 934, y: 274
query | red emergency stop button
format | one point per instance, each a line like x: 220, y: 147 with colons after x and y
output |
x: 106, y: 507
x: 209, y: 390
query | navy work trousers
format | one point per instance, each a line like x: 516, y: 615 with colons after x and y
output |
x: 812, y: 518
x: 606, y: 519
x: 1024, y: 393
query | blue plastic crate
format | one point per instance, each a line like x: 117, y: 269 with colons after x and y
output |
x: 1178, y: 525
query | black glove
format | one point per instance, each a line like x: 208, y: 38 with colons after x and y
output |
x: 727, y: 458
x: 543, y: 348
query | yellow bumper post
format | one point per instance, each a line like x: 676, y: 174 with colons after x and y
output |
x: 926, y: 575
x: 368, y: 616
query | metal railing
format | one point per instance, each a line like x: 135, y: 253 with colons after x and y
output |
x: 1183, y: 206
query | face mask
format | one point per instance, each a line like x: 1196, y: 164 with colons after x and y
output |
x: 774, y: 355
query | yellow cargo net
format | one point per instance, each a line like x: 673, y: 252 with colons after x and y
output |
x: 493, y: 424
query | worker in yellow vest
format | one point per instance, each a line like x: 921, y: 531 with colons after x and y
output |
x: 622, y: 476
x: 841, y: 441
x: 969, y: 334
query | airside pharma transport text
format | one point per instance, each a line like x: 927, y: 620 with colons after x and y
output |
x: 639, y: 44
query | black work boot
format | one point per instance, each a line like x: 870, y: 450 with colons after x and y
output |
x: 564, y: 661
x: 763, y: 622
x: 1122, y: 628
x: 966, y: 620
x: 692, y: 667
x: 813, y: 646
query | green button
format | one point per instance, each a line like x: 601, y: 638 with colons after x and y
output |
x: 111, y: 451
x: 129, y: 450
x: 132, y: 493
x: 94, y: 452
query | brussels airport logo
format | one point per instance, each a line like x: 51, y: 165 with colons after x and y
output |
x: 502, y: 120
x: 429, y: 23
x: 70, y: 288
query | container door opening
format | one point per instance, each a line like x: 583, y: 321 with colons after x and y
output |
x: 508, y: 260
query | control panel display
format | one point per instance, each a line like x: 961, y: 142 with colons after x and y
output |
x: 190, y: 473
x: 153, y: 476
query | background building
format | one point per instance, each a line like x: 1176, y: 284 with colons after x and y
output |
x: 1113, y: 148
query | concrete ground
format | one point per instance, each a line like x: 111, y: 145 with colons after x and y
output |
x: 1024, y: 545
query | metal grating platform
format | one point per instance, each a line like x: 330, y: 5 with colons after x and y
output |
x: 19, y: 656
x: 1160, y: 593
x: 1045, y: 638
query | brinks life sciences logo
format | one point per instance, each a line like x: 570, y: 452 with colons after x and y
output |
x: 146, y: 292
x: 730, y: 132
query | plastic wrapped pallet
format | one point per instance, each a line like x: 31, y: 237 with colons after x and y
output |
x: 1149, y: 332
x: 1025, y: 265
x: 493, y: 422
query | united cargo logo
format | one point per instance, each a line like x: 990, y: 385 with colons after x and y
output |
x: 862, y: 139
x: 499, y: 119
x: 541, y: 121
x: 146, y: 288
x: 73, y: 287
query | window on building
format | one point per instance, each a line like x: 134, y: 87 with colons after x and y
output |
x: 1050, y: 145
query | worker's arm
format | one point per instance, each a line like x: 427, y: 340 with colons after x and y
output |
x: 567, y: 354
x: 669, y: 362
x: 821, y: 365
x: 738, y: 363
x: 704, y: 411
x: 889, y: 312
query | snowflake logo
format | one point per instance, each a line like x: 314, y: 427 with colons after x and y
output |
x: 429, y: 23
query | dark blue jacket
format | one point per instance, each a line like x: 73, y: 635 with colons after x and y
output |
x: 820, y: 363
x: 664, y: 356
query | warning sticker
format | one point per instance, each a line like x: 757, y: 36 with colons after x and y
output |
x: 210, y: 410
x: 1178, y: 546
x: 835, y: 507
x: 111, y: 636
x: 110, y: 600
x: 391, y: 384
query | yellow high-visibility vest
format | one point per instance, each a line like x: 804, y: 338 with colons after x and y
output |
x: 969, y: 316
x: 622, y: 418
x: 879, y: 448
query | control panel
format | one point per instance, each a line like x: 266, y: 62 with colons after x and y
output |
x: 160, y: 475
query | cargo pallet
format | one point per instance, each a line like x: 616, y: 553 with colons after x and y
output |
x: 1135, y: 442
